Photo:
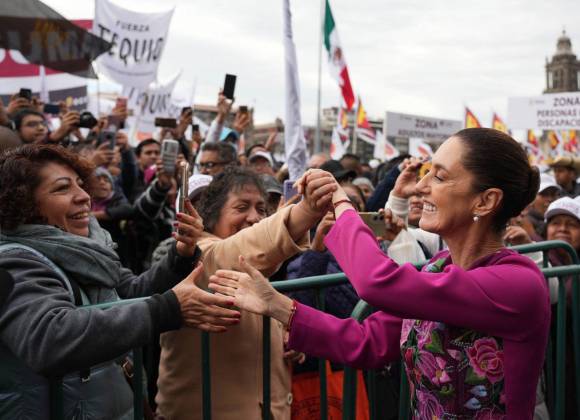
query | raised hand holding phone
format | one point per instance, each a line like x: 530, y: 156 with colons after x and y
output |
x: 189, y: 227
x: 169, y: 152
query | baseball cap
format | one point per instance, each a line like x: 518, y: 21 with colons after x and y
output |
x: 564, y: 205
x: 262, y: 154
x: 271, y: 184
x: 547, y: 181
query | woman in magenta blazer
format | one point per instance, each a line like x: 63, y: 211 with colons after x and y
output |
x: 472, y: 325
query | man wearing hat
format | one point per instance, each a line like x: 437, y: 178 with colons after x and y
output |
x: 566, y: 169
x: 548, y: 192
x: 261, y: 162
x: 274, y: 190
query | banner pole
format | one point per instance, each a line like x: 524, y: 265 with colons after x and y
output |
x: 317, y: 139
x: 354, y: 123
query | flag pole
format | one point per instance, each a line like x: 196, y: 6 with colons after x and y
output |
x: 354, y: 124
x: 317, y: 140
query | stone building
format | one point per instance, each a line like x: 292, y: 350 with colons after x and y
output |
x: 563, y: 71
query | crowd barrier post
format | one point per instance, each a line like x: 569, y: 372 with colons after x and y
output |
x: 266, y: 368
x: 205, y: 376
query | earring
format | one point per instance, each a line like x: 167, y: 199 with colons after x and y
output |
x: 476, y: 218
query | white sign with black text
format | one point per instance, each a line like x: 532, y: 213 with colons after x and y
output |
x: 427, y: 128
x: 554, y: 111
x: 138, y: 40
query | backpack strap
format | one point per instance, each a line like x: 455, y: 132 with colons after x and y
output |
x: 78, y: 296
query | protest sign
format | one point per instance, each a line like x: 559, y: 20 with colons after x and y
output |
x: 138, y: 40
x: 407, y: 125
x: 150, y: 103
x: 555, y: 111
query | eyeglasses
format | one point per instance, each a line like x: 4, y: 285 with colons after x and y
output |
x: 35, y: 124
x: 209, y: 165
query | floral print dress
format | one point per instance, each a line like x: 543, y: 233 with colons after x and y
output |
x: 453, y: 373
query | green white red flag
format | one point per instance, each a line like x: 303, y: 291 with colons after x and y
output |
x: 336, y: 62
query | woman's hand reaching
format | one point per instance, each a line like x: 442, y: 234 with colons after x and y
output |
x: 251, y: 291
x: 203, y: 310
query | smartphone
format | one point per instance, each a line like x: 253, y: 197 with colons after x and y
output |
x: 289, y: 190
x: 25, y: 93
x: 243, y: 109
x: 195, y: 128
x: 169, y: 152
x: 185, y: 110
x: 52, y: 109
x: 116, y: 122
x: 375, y: 221
x: 107, y: 136
x: 229, y: 86
x: 184, y: 187
x: 166, y: 122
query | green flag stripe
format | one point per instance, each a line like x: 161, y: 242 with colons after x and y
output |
x: 328, y: 25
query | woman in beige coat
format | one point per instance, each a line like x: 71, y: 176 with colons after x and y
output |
x: 234, y: 212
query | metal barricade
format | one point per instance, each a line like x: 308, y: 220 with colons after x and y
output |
x: 361, y: 311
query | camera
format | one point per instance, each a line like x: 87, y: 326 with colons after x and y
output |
x: 87, y: 120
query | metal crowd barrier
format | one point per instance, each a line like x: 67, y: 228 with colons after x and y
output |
x: 556, y: 386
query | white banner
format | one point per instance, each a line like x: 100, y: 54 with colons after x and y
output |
x: 152, y: 103
x: 294, y: 141
x: 138, y: 40
x: 407, y: 125
x: 554, y: 111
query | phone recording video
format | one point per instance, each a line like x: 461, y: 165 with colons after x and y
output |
x: 25, y: 93
x: 229, y: 86
x: 52, y: 109
x: 375, y: 221
x: 166, y: 122
x: 289, y: 190
x: 169, y: 152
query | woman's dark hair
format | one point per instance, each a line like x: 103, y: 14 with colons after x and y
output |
x: 232, y: 179
x: 20, y: 176
x: 498, y: 161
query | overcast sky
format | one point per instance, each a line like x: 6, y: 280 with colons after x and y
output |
x: 423, y: 57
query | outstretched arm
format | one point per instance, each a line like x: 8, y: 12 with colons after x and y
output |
x: 371, y: 344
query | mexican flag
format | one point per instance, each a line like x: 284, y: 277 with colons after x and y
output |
x: 336, y: 62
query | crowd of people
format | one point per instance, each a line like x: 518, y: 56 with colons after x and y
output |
x: 86, y: 219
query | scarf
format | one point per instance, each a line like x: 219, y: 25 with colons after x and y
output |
x: 89, y: 261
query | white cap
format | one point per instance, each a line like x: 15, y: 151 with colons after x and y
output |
x: 547, y: 181
x: 262, y: 154
x: 196, y: 184
x: 564, y: 205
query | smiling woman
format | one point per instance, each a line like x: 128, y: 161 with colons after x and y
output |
x: 234, y: 211
x: 472, y: 326
x: 60, y: 259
